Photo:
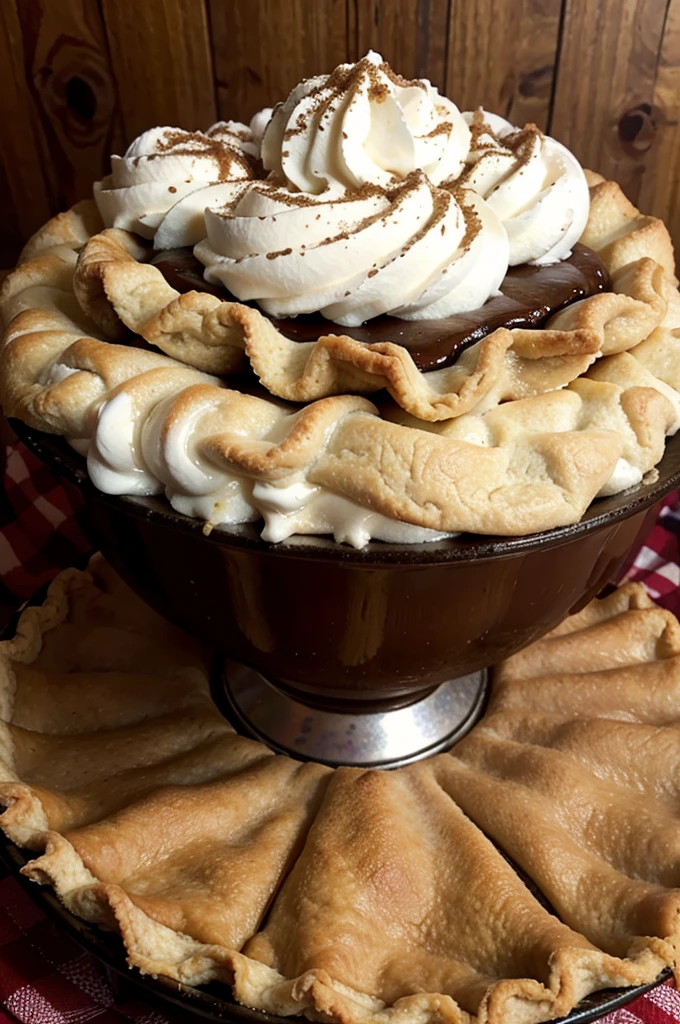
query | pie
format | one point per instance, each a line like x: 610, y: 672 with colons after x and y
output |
x: 502, y: 882
x: 372, y: 381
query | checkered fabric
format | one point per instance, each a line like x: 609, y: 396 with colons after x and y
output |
x: 40, y: 525
x: 45, y: 977
x: 657, y: 562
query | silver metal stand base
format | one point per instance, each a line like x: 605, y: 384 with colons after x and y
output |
x: 379, y: 739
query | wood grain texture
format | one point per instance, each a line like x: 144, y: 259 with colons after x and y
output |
x: 27, y: 191
x: 605, y: 86
x: 70, y: 81
x: 410, y: 34
x: 12, y: 234
x: 80, y: 78
x: 501, y: 55
x: 162, y: 60
x: 262, y: 48
x: 660, y: 186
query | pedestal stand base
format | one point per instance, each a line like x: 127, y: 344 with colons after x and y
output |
x: 371, y: 739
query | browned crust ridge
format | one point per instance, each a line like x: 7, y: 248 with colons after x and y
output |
x: 335, y: 894
x: 519, y: 435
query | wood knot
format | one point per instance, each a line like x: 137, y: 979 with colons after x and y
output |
x: 80, y: 97
x: 637, y: 128
x: 76, y: 91
x: 537, y: 84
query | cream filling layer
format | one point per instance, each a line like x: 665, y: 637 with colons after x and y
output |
x: 145, y: 448
x: 131, y: 454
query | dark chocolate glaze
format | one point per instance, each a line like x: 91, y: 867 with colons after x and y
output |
x: 529, y: 296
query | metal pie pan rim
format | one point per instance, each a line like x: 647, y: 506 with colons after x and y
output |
x: 229, y: 700
x: 471, y: 548
x: 98, y: 941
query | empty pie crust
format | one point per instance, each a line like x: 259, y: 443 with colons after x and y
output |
x: 354, y: 895
x: 518, y: 436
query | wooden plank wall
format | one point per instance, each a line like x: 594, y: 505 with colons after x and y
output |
x: 80, y: 78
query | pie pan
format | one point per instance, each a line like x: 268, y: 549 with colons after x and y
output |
x: 110, y: 626
x: 213, y: 1002
x: 378, y: 626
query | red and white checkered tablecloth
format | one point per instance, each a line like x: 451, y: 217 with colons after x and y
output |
x: 40, y: 531
x: 45, y: 977
x: 657, y: 562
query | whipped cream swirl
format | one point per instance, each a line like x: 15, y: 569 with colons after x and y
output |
x: 534, y: 185
x: 236, y: 136
x: 149, y: 444
x: 360, y: 124
x: 168, y: 176
x: 383, y: 198
x: 416, y: 251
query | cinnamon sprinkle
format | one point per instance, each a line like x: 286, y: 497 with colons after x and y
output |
x: 443, y: 128
x: 197, y: 144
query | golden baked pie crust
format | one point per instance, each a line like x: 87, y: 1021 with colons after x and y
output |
x: 353, y: 895
x: 518, y: 436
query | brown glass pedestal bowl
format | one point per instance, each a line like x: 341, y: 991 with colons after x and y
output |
x: 382, y: 625
x: 379, y: 623
x: 145, y: 541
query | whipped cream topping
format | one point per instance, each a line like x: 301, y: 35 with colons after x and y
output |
x: 258, y: 125
x: 236, y: 136
x: 534, y: 185
x: 141, y: 445
x: 383, y: 198
x: 298, y: 509
x: 166, y: 165
x: 415, y: 250
x: 362, y: 123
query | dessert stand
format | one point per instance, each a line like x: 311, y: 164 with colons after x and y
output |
x: 374, y: 657
x: 371, y: 658
x: 393, y: 683
x: 213, y: 1001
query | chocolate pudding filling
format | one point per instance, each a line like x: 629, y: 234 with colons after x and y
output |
x: 529, y: 297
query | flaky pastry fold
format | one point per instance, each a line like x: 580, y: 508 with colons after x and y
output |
x: 574, y: 771
x: 67, y: 231
x: 56, y: 378
x: 211, y: 335
x: 355, y: 896
x: 518, y: 436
